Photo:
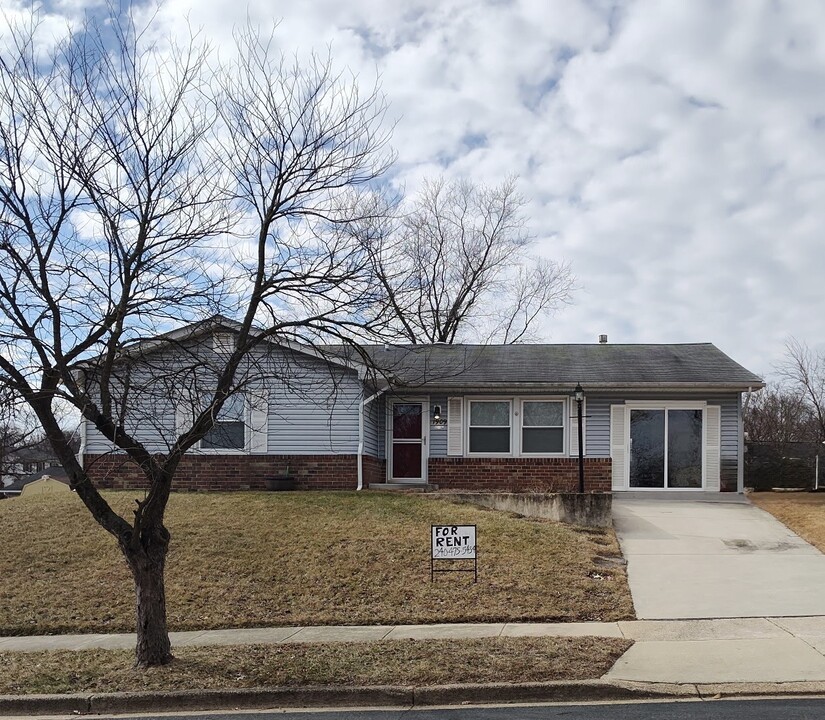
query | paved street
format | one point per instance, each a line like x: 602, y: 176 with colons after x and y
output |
x: 783, y: 709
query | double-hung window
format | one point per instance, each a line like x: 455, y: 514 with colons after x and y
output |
x: 489, y: 427
x: 542, y: 427
x: 229, y: 431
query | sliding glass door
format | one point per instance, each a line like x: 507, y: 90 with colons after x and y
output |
x: 666, y: 448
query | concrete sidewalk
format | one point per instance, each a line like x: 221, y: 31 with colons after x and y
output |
x: 728, y: 650
x: 319, y: 634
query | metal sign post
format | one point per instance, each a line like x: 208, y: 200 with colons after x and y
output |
x: 453, y: 542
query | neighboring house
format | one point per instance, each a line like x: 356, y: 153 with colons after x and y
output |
x: 48, y: 480
x: 451, y: 416
x: 24, y: 461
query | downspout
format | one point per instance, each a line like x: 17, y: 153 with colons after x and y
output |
x: 83, y: 438
x: 363, y: 404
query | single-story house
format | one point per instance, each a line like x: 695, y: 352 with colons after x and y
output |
x: 663, y: 416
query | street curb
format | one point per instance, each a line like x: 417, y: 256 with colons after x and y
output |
x: 248, y: 698
x: 558, y: 691
x: 51, y: 704
x: 392, y: 696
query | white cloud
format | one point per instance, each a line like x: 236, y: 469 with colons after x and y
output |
x: 672, y: 151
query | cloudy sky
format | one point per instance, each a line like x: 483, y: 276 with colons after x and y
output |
x: 672, y: 152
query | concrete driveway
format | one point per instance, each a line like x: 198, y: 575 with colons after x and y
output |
x: 715, y: 557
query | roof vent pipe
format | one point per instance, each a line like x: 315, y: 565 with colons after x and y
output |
x: 602, y: 339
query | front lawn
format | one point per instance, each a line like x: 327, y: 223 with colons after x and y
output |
x: 310, y: 558
x: 397, y: 662
x: 802, y: 512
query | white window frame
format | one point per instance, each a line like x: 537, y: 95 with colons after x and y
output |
x: 467, y: 414
x: 565, y: 428
x: 666, y: 405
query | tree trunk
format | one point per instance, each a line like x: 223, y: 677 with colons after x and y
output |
x: 147, y: 564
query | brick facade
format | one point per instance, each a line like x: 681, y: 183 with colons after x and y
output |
x: 340, y: 472
x: 240, y: 472
x: 520, y: 474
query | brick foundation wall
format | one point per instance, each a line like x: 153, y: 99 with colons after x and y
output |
x: 375, y: 470
x: 520, y: 474
x: 240, y: 472
x: 340, y: 472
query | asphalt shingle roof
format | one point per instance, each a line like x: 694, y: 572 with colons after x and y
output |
x: 701, y: 364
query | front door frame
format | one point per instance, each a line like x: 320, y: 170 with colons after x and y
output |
x: 666, y: 405
x: 425, y: 438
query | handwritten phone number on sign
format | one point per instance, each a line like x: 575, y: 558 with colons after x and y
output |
x: 454, y: 542
x: 456, y: 553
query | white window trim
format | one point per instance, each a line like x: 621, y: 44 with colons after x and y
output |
x: 566, y: 424
x: 514, y: 446
x: 666, y: 405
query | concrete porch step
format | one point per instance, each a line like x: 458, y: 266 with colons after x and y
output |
x: 409, y: 487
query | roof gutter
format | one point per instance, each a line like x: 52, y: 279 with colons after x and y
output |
x: 361, y: 407
x: 568, y: 387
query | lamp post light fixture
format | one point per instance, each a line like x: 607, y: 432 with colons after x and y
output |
x: 578, y: 393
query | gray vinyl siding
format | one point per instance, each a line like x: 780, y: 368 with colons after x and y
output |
x: 150, y: 418
x: 438, y: 433
x: 382, y: 427
x: 313, y: 406
x: 374, y: 426
x: 318, y: 418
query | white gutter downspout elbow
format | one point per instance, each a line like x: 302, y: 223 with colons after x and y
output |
x: 362, y: 405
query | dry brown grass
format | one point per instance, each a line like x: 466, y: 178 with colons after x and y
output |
x: 258, y: 559
x: 397, y: 662
x: 802, y: 512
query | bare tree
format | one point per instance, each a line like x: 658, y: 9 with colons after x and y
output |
x: 804, y: 369
x: 458, y: 267
x: 778, y: 416
x: 14, y: 435
x: 143, y: 186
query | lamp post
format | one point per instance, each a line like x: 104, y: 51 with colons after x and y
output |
x: 578, y: 393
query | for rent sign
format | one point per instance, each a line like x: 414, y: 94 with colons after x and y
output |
x: 454, y: 542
